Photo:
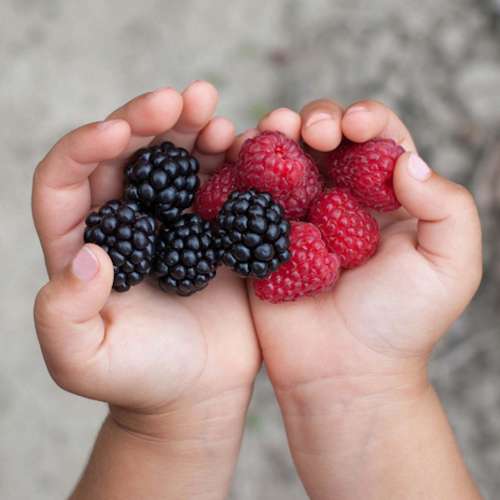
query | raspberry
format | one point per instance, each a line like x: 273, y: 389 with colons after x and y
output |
x: 128, y: 236
x: 311, y: 270
x: 187, y: 255
x: 214, y: 193
x: 163, y: 179
x: 300, y: 200
x: 367, y: 170
x: 347, y: 228
x: 275, y: 164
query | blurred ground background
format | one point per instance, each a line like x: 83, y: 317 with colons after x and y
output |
x: 64, y: 63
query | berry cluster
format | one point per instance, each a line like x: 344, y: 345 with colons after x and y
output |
x: 267, y: 216
x: 147, y: 232
x: 279, y: 224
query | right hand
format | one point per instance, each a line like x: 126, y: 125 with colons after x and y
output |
x: 144, y: 352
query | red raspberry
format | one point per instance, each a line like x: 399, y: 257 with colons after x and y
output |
x: 311, y: 270
x: 273, y: 163
x: 300, y: 200
x: 367, y: 170
x: 347, y: 228
x: 214, y: 192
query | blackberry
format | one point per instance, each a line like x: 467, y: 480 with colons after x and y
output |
x: 187, y: 255
x: 163, y: 179
x: 128, y: 236
x: 254, y: 234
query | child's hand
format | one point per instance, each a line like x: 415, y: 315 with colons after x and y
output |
x: 384, y: 317
x: 145, y: 352
x: 369, y: 339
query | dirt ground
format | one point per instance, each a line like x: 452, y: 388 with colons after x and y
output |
x: 65, y: 63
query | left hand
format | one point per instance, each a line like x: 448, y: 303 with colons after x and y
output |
x: 373, y: 333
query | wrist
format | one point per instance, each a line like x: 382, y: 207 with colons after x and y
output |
x: 182, y: 452
x: 326, y: 415
x: 394, y: 441
x: 344, y: 390
x: 128, y: 462
x: 208, y: 419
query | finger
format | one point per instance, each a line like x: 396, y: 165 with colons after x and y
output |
x: 61, y: 190
x: 199, y: 103
x: 367, y: 120
x: 283, y: 120
x: 75, y: 156
x: 449, y: 233
x: 148, y: 115
x: 213, y: 142
x: 321, y: 124
x: 69, y: 326
x: 234, y: 151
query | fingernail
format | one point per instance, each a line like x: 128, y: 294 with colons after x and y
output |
x: 356, y: 109
x: 318, y: 117
x: 418, y: 169
x: 108, y: 124
x: 85, y: 265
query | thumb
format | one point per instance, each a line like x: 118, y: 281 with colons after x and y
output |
x: 69, y: 326
x: 449, y: 230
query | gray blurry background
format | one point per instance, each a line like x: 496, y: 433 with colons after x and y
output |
x: 64, y: 63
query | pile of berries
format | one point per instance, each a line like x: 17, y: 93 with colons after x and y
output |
x: 271, y: 216
x: 328, y: 216
x: 148, y: 233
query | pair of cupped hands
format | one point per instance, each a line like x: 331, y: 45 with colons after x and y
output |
x: 160, y: 360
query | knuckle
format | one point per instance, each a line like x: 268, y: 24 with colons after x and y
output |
x: 47, y: 308
x: 463, y: 197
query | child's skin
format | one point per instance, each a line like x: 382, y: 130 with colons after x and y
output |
x: 178, y: 373
x: 348, y: 367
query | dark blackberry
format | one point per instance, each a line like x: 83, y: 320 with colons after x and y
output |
x: 128, y: 236
x: 163, y: 179
x: 254, y: 234
x: 187, y: 255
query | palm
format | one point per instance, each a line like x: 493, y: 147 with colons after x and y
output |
x: 369, y: 295
x: 371, y: 315
x: 162, y: 347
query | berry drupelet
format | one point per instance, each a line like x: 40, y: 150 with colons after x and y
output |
x: 128, y: 236
x: 254, y: 234
x: 187, y: 255
x: 163, y: 179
